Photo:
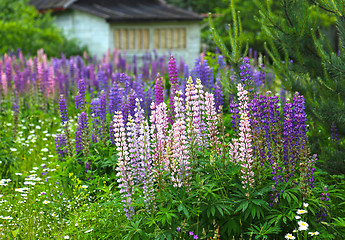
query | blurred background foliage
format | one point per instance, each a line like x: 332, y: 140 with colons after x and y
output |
x: 252, y: 31
x: 23, y: 27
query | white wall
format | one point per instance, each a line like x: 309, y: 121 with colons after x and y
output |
x: 90, y: 30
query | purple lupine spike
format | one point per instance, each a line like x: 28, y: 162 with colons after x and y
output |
x: 246, y: 73
x: 334, y: 134
x: 221, y: 62
x: 60, y: 146
x: 102, y: 79
x: 79, y: 99
x: 235, y: 117
x: 173, y: 86
x: 81, y: 133
x: 103, y: 108
x: 131, y: 102
x: 63, y: 110
x: 159, y: 97
x: 138, y: 87
x: 322, y: 213
x: 288, y: 138
x: 95, y: 114
x: 300, y: 127
x: 148, y: 100
x: 115, y: 99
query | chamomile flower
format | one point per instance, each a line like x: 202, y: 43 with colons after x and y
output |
x: 305, y: 205
x: 289, y: 236
x: 46, y: 202
x: 302, y: 226
x: 313, y: 233
x: 301, y: 211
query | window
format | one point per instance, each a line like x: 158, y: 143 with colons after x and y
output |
x: 131, y: 38
x: 170, y: 38
x: 139, y: 38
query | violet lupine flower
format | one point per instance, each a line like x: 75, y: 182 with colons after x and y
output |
x: 235, y: 117
x: 115, y: 99
x: 103, y: 108
x: 60, y: 144
x: 310, y: 171
x: 288, y: 139
x: 95, y: 114
x: 334, y: 134
x: 299, y: 115
x: 63, y: 110
x: 102, y: 79
x: 211, y: 113
x: 159, y: 90
x: 79, y: 99
x: 241, y: 150
x: 246, y: 73
x: 148, y: 100
x: 221, y: 62
x: 322, y: 213
x: 218, y: 95
x: 173, y: 86
x: 123, y: 169
x: 81, y: 135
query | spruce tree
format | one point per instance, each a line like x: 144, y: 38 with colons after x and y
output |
x: 317, y: 70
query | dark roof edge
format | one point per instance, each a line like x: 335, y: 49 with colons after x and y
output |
x: 152, y: 20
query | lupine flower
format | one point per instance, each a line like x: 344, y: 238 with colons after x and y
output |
x: 246, y: 73
x: 63, y: 110
x: 79, y: 99
x: 159, y: 90
x: 123, y: 165
x: 241, y: 151
x: 180, y: 174
x: 213, y: 133
x: 81, y: 135
x: 115, y: 99
x: 159, y: 129
x: 173, y: 86
x: 103, y: 107
x: 60, y: 144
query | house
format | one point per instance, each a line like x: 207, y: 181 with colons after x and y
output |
x: 133, y: 26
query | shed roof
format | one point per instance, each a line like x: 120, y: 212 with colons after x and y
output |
x: 121, y: 10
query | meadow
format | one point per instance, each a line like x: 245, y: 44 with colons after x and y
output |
x: 152, y: 148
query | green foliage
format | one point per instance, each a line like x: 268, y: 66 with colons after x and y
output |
x: 235, y: 54
x: 22, y: 27
x: 317, y: 69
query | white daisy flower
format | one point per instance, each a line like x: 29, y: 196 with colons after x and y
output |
x: 301, y: 211
x: 313, y: 233
x: 302, y: 226
x: 289, y: 236
x: 305, y: 205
